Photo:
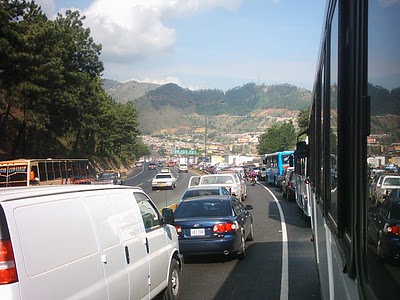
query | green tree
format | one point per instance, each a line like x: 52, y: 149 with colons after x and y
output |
x: 302, y: 119
x: 24, y: 68
x: 279, y: 137
x: 52, y: 103
x: 141, y: 149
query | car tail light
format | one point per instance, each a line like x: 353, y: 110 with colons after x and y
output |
x: 8, y: 270
x: 178, y: 229
x: 225, y: 227
x: 392, y: 229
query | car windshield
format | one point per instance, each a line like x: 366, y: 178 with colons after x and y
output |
x: 217, y: 180
x: 202, y: 208
x: 107, y: 175
x: 196, y: 193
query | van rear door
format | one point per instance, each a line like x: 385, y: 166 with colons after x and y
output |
x: 55, y: 258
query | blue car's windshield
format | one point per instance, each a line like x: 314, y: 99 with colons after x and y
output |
x: 203, y: 208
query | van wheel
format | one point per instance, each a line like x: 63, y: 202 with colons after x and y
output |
x: 173, y: 290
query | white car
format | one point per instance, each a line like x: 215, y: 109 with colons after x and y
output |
x: 389, y: 183
x: 165, y: 170
x: 183, y: 168
x: 231, y: 181
x: 163, y: 180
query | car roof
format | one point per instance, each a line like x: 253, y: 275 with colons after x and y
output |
x: 15, y: 193
x: 220, y: 174
x: 205, y: 187
x: 391, y: 176
x: 210, y: 197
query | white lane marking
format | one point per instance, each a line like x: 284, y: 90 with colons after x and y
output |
x: 285, y: 257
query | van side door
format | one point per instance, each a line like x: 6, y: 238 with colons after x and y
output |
x: 133, y: 241
x: 110, y: 245
x: 157, y: 242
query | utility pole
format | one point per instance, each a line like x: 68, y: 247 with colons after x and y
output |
x: 205, y: 138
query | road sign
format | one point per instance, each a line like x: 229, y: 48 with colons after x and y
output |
x: 184, y: 151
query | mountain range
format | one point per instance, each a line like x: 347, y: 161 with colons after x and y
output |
x: 171, y: 109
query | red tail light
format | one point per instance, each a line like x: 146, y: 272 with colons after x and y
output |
x: 224, y: 227
x: 393, y: 229
x: 8, y: 270
x: 178, y: 229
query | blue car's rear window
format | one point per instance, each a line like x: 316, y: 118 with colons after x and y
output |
x: 395, y: 212
x: 203, y: 208
x: 197, y: 193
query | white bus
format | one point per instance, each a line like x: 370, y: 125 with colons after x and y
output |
x: 27, y: 172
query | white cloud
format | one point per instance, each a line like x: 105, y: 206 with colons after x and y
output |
x: 136, y: 29
x: 48, y: 6
x: 168, y: 79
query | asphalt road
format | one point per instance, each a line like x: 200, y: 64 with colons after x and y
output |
x: 273, y: 268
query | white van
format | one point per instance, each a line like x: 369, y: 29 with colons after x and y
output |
x: 86, y: 242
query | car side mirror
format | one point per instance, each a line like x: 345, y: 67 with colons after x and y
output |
x: 248, y: 207
x: 168, y: 215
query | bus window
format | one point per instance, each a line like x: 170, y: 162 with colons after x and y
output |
x: 50, y: 171
x: 382, y: 239
x: 34, y: 175
x: 42, y: 171
x: 57, y: 170
x: 332, y: 123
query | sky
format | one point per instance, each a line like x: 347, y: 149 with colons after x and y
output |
x: 203, y: 44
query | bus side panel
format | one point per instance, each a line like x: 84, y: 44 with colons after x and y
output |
x: 335, y: 284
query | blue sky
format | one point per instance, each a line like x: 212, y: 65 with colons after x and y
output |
x: 204, y: 44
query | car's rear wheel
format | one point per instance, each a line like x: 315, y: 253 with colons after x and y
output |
x: 250, y: 237
x: 241, y: 254
x: 379, y: 255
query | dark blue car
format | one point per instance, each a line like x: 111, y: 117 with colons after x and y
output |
x: 213, y: 225
x: 384, y: 227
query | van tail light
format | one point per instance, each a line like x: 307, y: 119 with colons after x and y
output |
x: 225, y: 227
x: 8, y: 270
x: 392, y: 229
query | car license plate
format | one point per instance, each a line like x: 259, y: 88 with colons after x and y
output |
x: 197, y: 232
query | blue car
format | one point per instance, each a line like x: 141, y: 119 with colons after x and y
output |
x: 213, y: 225
x: 384, y: 227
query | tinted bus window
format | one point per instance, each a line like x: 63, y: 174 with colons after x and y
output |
x: 383, y: 245
x: 333, y: 124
